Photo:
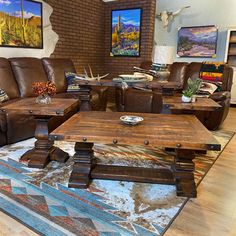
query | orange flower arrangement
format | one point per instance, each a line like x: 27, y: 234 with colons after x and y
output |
x: 41, y: 88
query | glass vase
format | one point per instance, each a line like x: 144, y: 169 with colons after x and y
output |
x: 43, y: 99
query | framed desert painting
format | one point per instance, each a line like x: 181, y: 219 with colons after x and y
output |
x: 21, y: 24
x: 126, y: 32
x: 197, y: 41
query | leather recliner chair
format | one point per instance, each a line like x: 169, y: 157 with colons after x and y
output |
x: 147, y: 102
x: 177, y: 73
x: 213, y: 119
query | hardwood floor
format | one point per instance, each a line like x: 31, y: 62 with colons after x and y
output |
x: 212, y: 213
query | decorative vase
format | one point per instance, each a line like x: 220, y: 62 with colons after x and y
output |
x: 186, y: 99
x: 43, y: 99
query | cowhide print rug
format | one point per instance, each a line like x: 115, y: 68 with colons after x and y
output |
x: 41, y: 199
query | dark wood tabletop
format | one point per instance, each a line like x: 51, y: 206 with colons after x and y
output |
x: 201, y: 103
x: 173, y: 131
x: 58, y: 107
x: 154, y: 84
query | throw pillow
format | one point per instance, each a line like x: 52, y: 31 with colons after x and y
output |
x: 3, y: 96
x: 212, y: 72
x: 72, y: 81
x: 207, y: 88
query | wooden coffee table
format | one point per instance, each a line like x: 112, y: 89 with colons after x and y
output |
x: 183, y: 133
x: 43, y: 151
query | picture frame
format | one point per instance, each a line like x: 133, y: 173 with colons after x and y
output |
x: 126, y: 32
x: 197, y: 41
x: 21, y: 24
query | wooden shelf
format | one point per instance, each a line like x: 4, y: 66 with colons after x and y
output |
x: 230, y: 54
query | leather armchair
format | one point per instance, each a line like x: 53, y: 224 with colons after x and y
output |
x: 177, y: 73
x: 212, y: 120
x: 142, y: 101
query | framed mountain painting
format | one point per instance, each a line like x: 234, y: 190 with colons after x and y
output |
x: 197, y: 41
x: 126, y: 32
x: 21, y: 24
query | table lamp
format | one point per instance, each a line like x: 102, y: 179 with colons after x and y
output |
x: 163, y: 56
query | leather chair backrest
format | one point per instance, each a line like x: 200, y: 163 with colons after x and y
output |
x: 178, y: 71
x: 142, y: 101
x: 193, y: 71
x: 27, y: 70
x: 55, y: 69
x: 7, y: 80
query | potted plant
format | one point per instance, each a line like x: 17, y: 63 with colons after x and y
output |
x: 192, y: 87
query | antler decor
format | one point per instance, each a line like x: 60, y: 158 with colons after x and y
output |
x: 91, y: 77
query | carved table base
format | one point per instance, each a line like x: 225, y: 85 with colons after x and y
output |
x: 181, y: 174
x: 43, y: 151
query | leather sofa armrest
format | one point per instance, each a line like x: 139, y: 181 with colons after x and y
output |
x: 3, y: 119
x: 220, y: 96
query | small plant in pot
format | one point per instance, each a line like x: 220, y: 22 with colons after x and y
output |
x: 192, y: 87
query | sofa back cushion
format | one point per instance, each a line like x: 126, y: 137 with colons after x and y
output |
x: 28, y: 70
x: 56, y: 68
x: 7, y: 80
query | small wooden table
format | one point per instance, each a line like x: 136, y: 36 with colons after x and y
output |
x: 174, y: 104
x: 44, y: 151
x: 183, y: 133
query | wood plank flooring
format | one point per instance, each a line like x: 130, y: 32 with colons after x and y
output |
x: 212, y: 213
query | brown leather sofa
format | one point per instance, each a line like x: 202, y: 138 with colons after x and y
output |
x: 181, y: 71
x: 16, y: 78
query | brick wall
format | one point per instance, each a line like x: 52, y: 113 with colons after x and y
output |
x: 80, y: 26
x: 124, y: 65
x: 84, y: 29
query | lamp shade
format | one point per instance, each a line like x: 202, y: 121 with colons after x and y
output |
x: 163, y: 54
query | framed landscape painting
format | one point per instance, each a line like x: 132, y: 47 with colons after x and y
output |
x: 126, y: 32
x: 21, y: 24
x: 197, y: 41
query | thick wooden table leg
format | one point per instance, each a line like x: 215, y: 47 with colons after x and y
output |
x: 80, y: 175
x: 183, y: 173
x: 43, y: 151
x: 84, y: 97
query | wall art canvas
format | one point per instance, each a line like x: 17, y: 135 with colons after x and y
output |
x: 197, y: 41
x: 21, y: 24
x: 126, y: 32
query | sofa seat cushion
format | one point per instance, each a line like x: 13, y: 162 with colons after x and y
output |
x: 7, y: 81
x: 28, y: 70
x: 56, y: 69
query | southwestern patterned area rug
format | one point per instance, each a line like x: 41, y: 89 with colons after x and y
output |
x: 41, y: 200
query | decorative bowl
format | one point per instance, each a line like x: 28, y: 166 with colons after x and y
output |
x: 131, y: 120
x: 133, y: 78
